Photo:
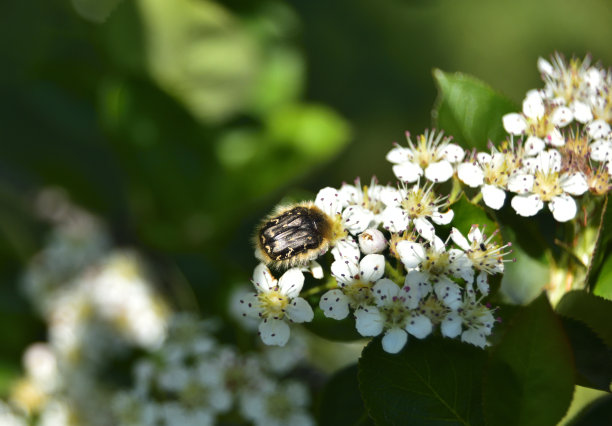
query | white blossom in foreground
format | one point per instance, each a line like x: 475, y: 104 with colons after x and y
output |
x: 276, y: 302
x: 433, y: 156
x: 491, y: 173
x: 473, y: 321
x: 431, y: 266
x: 355, y: 281
x: 395, y: 314
x: 547, y: 183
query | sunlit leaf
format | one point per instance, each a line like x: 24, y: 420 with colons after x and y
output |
x: 469, y: 109
x: 530, y: 375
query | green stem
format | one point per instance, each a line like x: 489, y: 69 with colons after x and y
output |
x: 331, y: 283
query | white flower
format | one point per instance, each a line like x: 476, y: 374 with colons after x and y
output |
x: 432, y: 265
x: 491, y: 172
x: 552, y: 186
x: 416, y: 203
x: 539, y: 121
x: 354, y: 218
x: 483, y: 254
x: 372, y: 241
x: 355, y: 279
x: 276, y: 302
x: 394, y: 314
x: 433, y: 156
x: 370, y: 198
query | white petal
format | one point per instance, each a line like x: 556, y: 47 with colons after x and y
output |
x: 350, y: 194
x: 419, y: 326
x: 329, y: 200
x: 394, y: 340
x: 442, y: 218
x: 545, y: 67
x: 369, y: 321
x: 549, y: 160
x: 453, y: 153
x: 475, y: 235
x: 316, y: 269
x: 555, y: 138
x: 598, y: 129
x: 563, y: 208
x: 470, y: 174
x: 474, y: 336
x: 263, y: 279
x: 534, y: 145
x: 249, y: 306
x: 448, y: 292
x: 439, y: 172
x: 411, y: 253
x: 407, y: 172
x: 274, y: 332
x: 334, y: 304
x: 533, y: 105
x: 562, y: 116
x: 484, y: 157
x: 514, y: 123
x: 493, y: 196
x: 399, y: 154
x: 459, y: 239
x: 424, y: 228
x: 575, y: 184
x: 451, y: 325
x: 385, y: 291
x: 347, y: 249
x: 416, y: 286
x: 299, y: 310
x: 390, y: 196
x: 372, y: 267
x: 356, y: 219
x: 582, y: 112
x: 372, y: 241
x: 395, y: 219
x: 291, y: 282
x: 345, y: 271
x: 527, y: 205
x: 601, y: 150
x: 461, y: 265
x: 520, y: 183
x: 482, y: 283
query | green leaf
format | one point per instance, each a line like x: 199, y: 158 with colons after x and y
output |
x: 603, y: 285
x: 431, y: 382
x: 594, y: 311
x: 598, y: 264
x: 599, y: 412
x: 592, y: 357
x: 469, y: 109
x: 468, y: 214
x: 341, y: 402
x: 530, y: 375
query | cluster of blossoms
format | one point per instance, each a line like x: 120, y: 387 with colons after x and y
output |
x: 194, y: 380
x: 566, y: 149
x: 407, y: 282
x: 101, y: 308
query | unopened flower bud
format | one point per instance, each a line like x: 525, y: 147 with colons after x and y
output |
x: 372, y: 241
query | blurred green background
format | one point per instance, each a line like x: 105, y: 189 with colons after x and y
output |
x: 181, y: 123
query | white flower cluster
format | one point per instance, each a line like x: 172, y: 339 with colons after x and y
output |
x: 194, y: 380
x: 567, y: 149
x: 405, y: 282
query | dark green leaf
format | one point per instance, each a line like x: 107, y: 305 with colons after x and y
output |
x: 592, y: 357
x: 594, y: 311
x: 341, y: 402
x: 343, y: 330
x: 530, y: 377
x: 598, y: 413
x: 470, y: 110
x: 595, y: 279
x: 431, y: 382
